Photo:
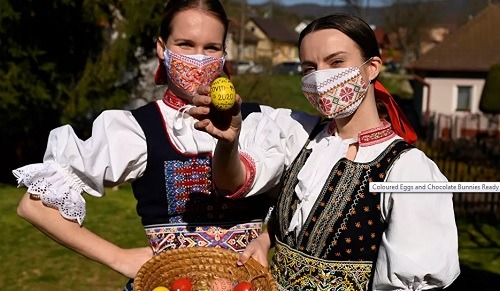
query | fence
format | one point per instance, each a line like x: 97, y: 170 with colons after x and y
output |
x: 466, y: 159
x: 463, y: 125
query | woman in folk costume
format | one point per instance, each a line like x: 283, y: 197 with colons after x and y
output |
x: 329, y: 231
x: 157, y: 149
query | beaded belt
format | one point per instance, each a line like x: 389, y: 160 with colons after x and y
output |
x: 228, y: 236
x: 295, y: 270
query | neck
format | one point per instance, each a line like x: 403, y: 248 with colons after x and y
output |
x: 172, y: 100
x: 364, y: 118
x: 174, y: 90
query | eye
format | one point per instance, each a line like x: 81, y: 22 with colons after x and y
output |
x: 213, y: 49
x: 336, y: 63
x: 306, y: 70
x: 185, y: 45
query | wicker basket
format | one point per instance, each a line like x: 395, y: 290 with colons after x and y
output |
x: 202, y: 266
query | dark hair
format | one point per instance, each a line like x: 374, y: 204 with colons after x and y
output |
x: 173, y: 7
x: 352, y: 26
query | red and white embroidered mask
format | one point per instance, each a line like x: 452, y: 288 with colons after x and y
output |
x: 335, y: 93
x: 188, y: 72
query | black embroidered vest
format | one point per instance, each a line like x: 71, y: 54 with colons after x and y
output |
x: 338, y: 243
x: 178, y: 188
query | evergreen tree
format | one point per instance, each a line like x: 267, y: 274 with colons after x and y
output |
x: 490, y: 97
x: 64, y: 61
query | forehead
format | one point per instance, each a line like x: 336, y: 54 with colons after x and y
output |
x: 321, y: 43
x: 197, y: 25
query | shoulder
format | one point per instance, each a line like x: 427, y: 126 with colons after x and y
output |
x: 415, y: 165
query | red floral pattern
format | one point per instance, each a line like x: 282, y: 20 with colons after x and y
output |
x: 325, y: 104
x: 346, y: 94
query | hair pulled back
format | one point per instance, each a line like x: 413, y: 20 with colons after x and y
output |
x: 173, y: 7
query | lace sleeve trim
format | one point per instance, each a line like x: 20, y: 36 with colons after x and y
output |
x: 56, y: 187
x: 250, y: 176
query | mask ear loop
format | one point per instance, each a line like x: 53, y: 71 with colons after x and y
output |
x: 359, y: 67
x: 179, y: 125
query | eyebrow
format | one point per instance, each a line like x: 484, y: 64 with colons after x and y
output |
x: 326, y: 59
x: 331, y: 56
x: 180, y: 40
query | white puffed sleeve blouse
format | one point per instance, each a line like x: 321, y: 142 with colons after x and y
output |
x: 419, y: 249
x: 116, y: 152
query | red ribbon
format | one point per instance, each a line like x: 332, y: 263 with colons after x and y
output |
x: 399, y: 122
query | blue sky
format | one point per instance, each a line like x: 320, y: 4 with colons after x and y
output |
x: 320, y: 2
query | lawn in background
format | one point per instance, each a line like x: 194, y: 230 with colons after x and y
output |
x: 31, y: 261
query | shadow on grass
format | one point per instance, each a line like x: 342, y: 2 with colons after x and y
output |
x: 475, y: 280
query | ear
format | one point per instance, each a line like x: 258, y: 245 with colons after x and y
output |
x: 374, y: 66
x: 160, y: 45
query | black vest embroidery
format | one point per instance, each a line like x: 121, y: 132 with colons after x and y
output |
x: 338, y: 243
x: 177, y: 188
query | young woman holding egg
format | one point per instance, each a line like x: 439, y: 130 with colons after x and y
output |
x: 157, y: 149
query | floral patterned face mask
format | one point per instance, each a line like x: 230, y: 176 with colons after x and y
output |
x: 335, y: 93
x: 188, y: 72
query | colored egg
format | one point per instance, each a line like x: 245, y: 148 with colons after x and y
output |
x: 222, y: 93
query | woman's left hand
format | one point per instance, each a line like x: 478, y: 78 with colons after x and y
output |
x: 257, y: 249
x: 223, y: 125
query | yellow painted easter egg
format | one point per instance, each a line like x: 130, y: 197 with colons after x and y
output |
x: 222, y: 93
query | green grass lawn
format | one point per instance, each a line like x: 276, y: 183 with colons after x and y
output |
x: 278, y: 91
x: 31, y: 261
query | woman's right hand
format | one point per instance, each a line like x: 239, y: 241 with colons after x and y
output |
x: 257, y: 249
x: 131, y: 260
x: 223, y: 125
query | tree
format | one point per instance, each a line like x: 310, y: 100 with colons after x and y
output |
x: 410, y: 20
x: 44, y: 46
x: 490, y: 97
x: 64, y: 61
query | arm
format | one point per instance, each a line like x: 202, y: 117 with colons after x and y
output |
x: 72, y: 166
x: 115, y: 153
x: 81, y: 240
x: 225, y: 126
x: 251, y: 155
x: 227, y: 160
x: 419, y: 249
x: 266, y: 146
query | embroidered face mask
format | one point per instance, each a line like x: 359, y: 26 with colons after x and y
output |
x: 188, y: 72
x: 335, y: 93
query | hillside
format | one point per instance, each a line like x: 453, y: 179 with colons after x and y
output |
x: 451, y: 13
